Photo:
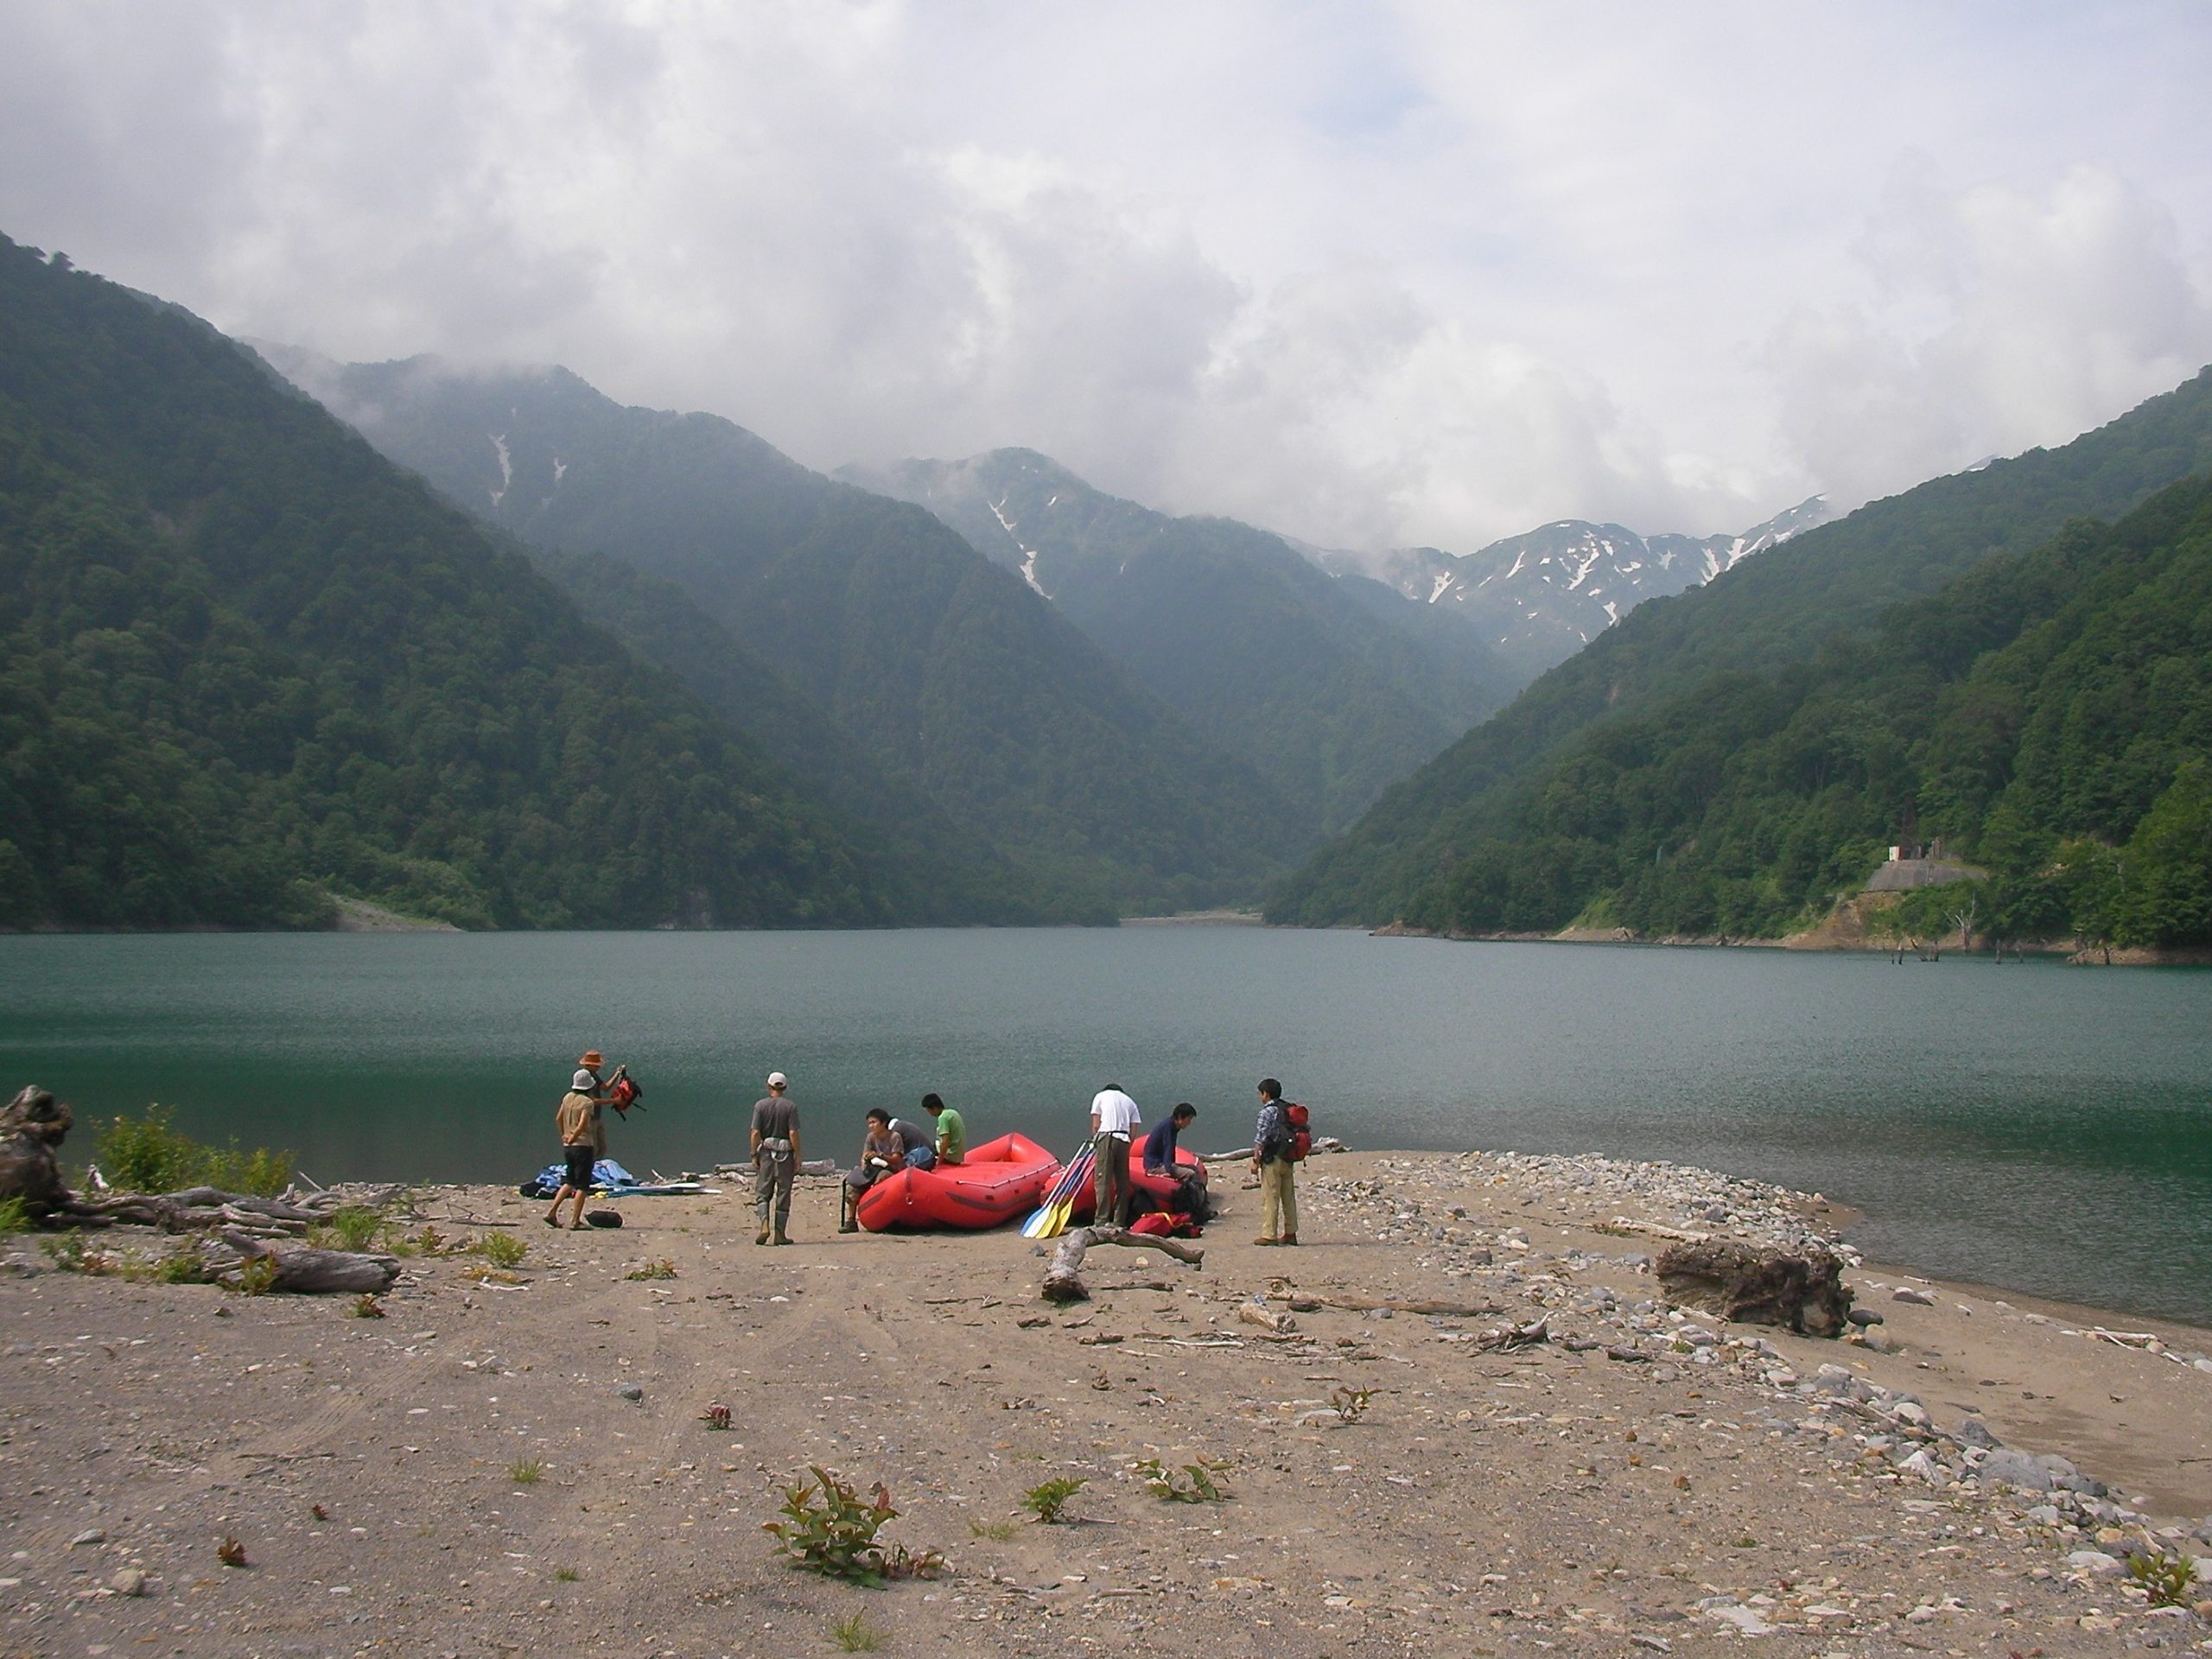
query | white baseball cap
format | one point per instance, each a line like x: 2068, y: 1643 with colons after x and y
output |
x: 776, y: 1079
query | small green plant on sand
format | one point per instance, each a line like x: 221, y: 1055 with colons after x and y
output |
x: 663, y: 1269
x: 2168, y: 1579
x: 526, y: 1471
x: 182, y: 1266
x: 15, y: 1216
x: 829, y: 1528
x: 257, y: 1276
x: 366, y: 1306
x: 501, y: 1249
x: 1193, y: 1483
x: 854, y: 1634
x: 720, y: 1419
x: 353, y: 1227
x: 68, y: 1252
x: 1351, y: 1403
x: 565, y: 1574
x: 998, y: 1530
x: 230, y: 1552
x: 1047, y: 1499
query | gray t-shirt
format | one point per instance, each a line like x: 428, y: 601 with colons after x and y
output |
x: 776, y: 1119
x: 912, y: 1134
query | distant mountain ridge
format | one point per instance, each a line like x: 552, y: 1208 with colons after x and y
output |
x: 1785, y: 607
x: 950, y: 675
x: 1332, y: 689
x: 1540, y: 596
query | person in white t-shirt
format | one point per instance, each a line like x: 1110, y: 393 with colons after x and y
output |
x: 1113, y: 1120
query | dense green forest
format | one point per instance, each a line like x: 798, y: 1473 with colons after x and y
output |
x: 1331, y: 688
x: 2048, y: 715
x: 927, y: 867
x: 1778, y: 609
x: 950, y: 675
x: 244, y: 663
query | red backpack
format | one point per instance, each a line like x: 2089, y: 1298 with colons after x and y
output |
x: 1301, y: 1130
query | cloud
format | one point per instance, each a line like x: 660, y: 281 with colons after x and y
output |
x: 1995, y: 320
x: 1371, y: 275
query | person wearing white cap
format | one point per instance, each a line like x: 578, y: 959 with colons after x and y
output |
x: 775, y: 1160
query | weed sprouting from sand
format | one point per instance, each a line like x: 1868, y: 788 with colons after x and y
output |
x: 182, y: 1266
x: 1193, y: 1483
x: 1351, y: 1403
x: 2167, y: 1578
x: 230, y: 1552
x: 565, y: 1574
x: 318, y: 1512
x: 854, y: 1634
x: 366, y: 1306
x: 526, y: 1471
x: 15, y: 1216
x: 663, y: 1269
x: 829, y: 1528
x: 718, y: 1418
x: 998, y: 1530
x: 257, y: 1276
x: 502, y: 1249
x: 1048, y: 1498
x: 68, y: 1252
x: 352, y: 1227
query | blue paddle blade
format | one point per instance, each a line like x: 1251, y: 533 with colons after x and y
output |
x: 1051, y: 1217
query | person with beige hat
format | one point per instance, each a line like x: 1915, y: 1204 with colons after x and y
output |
x: 582, y: 1128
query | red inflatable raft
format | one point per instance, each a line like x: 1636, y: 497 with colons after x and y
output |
x: 1002, y: 1180
x: 1152, y: 1190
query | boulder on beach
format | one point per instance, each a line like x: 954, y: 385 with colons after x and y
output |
x: 1756, y: 1284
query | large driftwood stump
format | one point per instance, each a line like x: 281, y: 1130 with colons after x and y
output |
x: 31, y: 1126
x: 317, y: 1273
x: 1064, y: 1279
x: 1759, y: 1285
x: 197, y: 1208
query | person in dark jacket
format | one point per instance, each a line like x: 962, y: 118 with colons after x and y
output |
x: 1159, y: 1160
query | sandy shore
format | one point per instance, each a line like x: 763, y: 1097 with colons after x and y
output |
x: 1712, y: 1485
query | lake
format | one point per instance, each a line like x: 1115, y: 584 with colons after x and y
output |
x: 2040, y: 1127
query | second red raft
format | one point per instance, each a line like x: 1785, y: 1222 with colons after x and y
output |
x: 1001, y: 1179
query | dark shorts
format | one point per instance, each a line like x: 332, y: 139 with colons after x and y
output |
x: 580, y: 1159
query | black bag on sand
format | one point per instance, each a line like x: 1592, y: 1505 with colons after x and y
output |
x: 602, y: 1218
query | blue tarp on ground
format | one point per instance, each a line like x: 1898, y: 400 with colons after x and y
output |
x: 604, y: 1173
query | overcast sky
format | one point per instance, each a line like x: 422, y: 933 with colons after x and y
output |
x: 1369, y: 274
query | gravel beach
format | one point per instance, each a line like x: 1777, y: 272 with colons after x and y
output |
x: 517, y: 1460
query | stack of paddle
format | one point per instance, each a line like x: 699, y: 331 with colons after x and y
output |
x: 1051, y: 1219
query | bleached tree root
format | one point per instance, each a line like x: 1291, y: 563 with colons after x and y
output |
x: 1064, y: 1278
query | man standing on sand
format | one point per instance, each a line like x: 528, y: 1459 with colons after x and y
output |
x: 584, y: 1134
x: 1114, y: 1119
x: 775, y: 1159
x: 1271, y: 1144
x: 951, y: 1130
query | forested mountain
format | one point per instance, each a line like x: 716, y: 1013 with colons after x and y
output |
x: 2048, y: 715
x: 947, y: 670
x: 1540, y: 597
x: 1764, y: 615
x: 248, y: 663
x: 1331, y: 694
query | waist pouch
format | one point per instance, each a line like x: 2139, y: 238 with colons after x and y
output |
x: 776, y: 1144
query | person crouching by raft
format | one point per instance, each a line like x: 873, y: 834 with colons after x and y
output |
x: 881, y: 1152
x: 584, y: 1134
x: 775, y: 1159
x: 1159, y: 1160
x: 1271, y: 1144
x: 951, y: 1130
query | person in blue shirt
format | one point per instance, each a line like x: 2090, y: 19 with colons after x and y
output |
x: 1160, y: 1159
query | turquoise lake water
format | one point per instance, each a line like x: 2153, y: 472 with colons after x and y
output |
x: 2039, y: 1127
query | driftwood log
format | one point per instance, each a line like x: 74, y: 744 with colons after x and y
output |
x: 31, y: 1126
x: 1064, y: 1278
x: 1759, y: 1285
x: 196, y: 1209
x: 1308, y: 1301
x: 316, y: 1272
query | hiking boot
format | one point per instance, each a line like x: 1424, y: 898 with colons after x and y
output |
x: 1287, y: 1238
x: 849, y: 1226
x: 760, y: 1237
x: 781, y: 1239
x: 1267, y: 1240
